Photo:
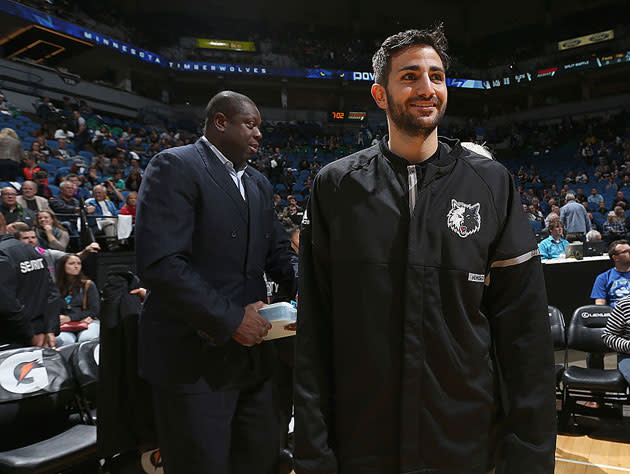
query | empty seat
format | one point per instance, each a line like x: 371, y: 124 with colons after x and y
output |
x: 36, y: 389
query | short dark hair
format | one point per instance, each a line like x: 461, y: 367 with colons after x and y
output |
x: 612, y: 248
x: 382, y: 59
x: 228, y: 103
x: 19, y: 230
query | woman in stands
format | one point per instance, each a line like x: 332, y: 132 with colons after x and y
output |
x: 133, y: 181
x: 50, y: 233
x: 129, y: 209
x: 81, y: 303
x: 616, y: 335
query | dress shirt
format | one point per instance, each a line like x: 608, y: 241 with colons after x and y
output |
x: 237, y: 176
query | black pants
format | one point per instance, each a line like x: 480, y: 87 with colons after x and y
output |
x: 217, y: 432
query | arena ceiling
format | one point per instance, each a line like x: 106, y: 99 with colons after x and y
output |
x: 465, y: 21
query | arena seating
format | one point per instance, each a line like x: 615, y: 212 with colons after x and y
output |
x: 558, y: 334
x: 592, y: 383
x: 36, y: 388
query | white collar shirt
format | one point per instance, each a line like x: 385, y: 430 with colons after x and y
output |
x: 237, y: 176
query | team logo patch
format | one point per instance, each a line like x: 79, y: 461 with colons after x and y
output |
x: 464, y: 219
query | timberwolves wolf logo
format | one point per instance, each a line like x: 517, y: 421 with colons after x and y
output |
x: 463, y: 219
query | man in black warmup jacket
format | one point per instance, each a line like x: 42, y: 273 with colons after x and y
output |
x: 423, y: 341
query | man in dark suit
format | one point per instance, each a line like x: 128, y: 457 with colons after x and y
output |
x: 206, y: 232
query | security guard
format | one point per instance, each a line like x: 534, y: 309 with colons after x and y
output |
x: 29, y: 300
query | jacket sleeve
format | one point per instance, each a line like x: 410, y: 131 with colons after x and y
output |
x: 11, y: 309
x: 516, y: 305
x: 314, y: 449
x: 165, y: 225
x: 59, y: 206
x: 53, y: 308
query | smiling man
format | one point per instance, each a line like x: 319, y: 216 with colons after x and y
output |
x: 423, y: 342
x: 205, y: 234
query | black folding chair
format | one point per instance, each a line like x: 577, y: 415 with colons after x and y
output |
x: 592, y: 383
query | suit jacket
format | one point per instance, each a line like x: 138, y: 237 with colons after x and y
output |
x: 42, y: 203
x: 202, y: 251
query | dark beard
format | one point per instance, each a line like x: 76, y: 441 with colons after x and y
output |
x: 408, y: 123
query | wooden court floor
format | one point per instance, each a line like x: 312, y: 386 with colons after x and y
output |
x: 585, y: 455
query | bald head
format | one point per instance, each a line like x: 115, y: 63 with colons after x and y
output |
x: 228, y: 103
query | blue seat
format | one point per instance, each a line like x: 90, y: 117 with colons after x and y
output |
x: 87, y: 155
x: 50, y: 168
x: 592, y: 206
x: 54, y: 189
x: 280, y: 187
x: 535, y: 225
x: 56, y: 162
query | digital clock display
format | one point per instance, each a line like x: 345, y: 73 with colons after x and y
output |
x: 348, y: 117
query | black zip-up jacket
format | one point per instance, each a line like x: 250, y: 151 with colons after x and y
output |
x: 423, y: 342
x: 29, y: 300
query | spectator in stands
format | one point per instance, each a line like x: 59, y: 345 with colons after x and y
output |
x: 30, y: 166
x: 50, y: 233
x: 36, y: 153
x: 28, y: 236
x: 103, y: 207
x: 581, y: 177
x: 29, y: 198
x: 593, y: 236
x: 28, y: 299
x: 64, y: 133
x: 535, y: 215
x: 135, y: 163
x: 62, y: 152
x: 81, y: 301
x: 92, y: 177
x: 616, y: 335
x: 129, y: 209
x: 614, y: 284
x: 554, y: 214
x: 80, y: 191
x: 41, y: 180
x: 580, y: 196
x: 602, y: 208
x: 277, y: 207
x: 12, y: 211
x: 610, y: 184
x: 45, y: 109
x: 574, y: 219
x: 43, y: 146
x: 119, y: 182
x: 295, y: 215
x: 133, y: 180
x: 613, y: 228
x: 620, y: 200
x: 67, y: 207
x: 113, y: 167
x: 11, y: 154
x: 595, y: 197
x: 113, y: 193
x: 553, y: 246
x: 81, y: 132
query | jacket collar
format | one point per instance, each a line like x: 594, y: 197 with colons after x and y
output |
x: 450, y: 151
